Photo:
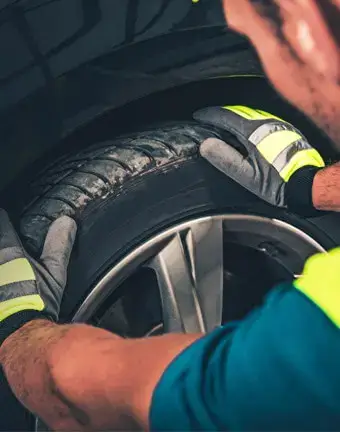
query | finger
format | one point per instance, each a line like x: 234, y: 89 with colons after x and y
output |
x: 227, y: 120
x: 58, y: 247
x: 225, y: 158
x: 8, y: 235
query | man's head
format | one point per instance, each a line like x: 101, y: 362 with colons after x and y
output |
x: 298, y: 43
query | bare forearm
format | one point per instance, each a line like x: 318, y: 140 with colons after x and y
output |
x: 49, y: 368
x: 84, y: 378
x: 25, y: 358
x: 326, y: 188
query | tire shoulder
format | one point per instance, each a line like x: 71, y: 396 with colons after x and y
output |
x: 102, y: 171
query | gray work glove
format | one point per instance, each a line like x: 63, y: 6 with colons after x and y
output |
x: 27, y: 285
x: 276, y: 151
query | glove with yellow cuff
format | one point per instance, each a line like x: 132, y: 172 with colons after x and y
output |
x: 279, y: 165
x: 31, y: 289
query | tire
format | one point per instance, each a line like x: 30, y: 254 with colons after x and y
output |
x: 120, y: 193
x: 123, y: 191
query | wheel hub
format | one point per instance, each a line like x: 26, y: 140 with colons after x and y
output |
x: 190, y: 264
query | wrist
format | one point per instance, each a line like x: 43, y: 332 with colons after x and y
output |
x: 16, y: 321
x: 316, y: 188
x: 299, y: 193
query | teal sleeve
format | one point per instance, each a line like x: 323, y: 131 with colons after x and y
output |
x: 276, y: 370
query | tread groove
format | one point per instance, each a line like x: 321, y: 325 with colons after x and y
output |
x: 37, y: 183
x: 194, y: 139
x: 63, y: 200
x: 98, y: 171
x: 100, y: 176
x: 147, y: 153
x: 119, y: 162
x: 168, y: 146
x: 81, y: 189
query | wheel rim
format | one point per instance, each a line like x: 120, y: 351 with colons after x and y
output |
x: 188, y: 261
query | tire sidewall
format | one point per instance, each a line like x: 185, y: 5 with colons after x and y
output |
x: 111, y: 228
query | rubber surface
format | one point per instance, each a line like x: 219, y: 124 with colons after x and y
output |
x: 122, y: 191
x: 69, y: 185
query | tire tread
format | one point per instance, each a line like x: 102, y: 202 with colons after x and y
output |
x: 67, y: 186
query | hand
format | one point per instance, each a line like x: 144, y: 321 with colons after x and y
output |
x: 275, y: 150
x: 30, y: 285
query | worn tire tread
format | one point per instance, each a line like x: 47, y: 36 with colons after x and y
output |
x: 68, y: 185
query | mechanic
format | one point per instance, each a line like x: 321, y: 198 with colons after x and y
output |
x: 276, y: 369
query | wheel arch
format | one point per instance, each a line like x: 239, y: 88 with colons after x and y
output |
x: 56, y: 111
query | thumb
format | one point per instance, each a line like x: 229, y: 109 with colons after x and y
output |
x: 58, y: 247
x: 224, y: 157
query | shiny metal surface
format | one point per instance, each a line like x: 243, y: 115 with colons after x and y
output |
x: 190, y: 277
x: 188, y: 261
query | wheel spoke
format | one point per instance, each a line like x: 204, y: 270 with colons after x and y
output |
x: 190, y: 276
x: 205, y: 243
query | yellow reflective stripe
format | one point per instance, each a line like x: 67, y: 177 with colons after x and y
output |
x: 17, y: 270
x: 271, y: 146
x: 19, y: 304
x: 320, y: 282
x: 271, y: 116
x: 251, y: 113
x: 244, y: 112
x: 301, y: 159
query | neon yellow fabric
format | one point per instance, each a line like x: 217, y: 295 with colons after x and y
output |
x: 320, y: 282
x: 19, y: 304
x: 17, y: 270
x: 250, y: 113
x: 270, y: 116
x: 271, y: 146
x: 301, y: 159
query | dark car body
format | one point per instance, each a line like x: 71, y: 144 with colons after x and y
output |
x: 65, y: 62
